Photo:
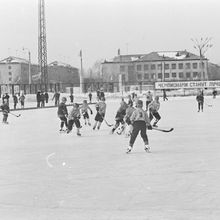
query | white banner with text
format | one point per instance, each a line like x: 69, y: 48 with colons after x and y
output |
x: 187, y: 84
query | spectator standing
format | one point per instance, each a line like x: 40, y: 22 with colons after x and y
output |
x: 21, y: 99
x: 38, y: 99
x: 46, y: 95
x: 56, y: 97
x: 42, y: 99
x: 15, y: 100
x: 71, y: 97
x: 90, y: 97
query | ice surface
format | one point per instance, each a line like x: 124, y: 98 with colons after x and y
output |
x: 48, y: 175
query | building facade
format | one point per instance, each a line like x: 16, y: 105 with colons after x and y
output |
x: 14, y: 70
x: 156, y: 66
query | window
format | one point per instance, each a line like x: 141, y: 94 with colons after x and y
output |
x: 195, y: 65
x: 146, y: 76
x: 122, y: 68
x: 153, y: 75
x: 181, y: 75
x: 188, y: 65
x: 146, y: 67
x: 153, y: 66
x: 195, y: 74
x: 159, y: 76
x: 159, y: 66
x: 166, y: 66
x: 173, y: 66
x: 201, y: 65
x: 188, y: 74
x: 9, y: 73
x: 123, y: 77
x: 139, y: 76
x: 130, y: 68
x: 9, y: 67
x: 10, y: 79
x: 139, y: 68
x: 180, y: 66
x: 166, y: 75
x: 174, y: 75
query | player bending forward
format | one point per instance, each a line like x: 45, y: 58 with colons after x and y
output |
x: 73, y: 118
x: 100, y: 115
x: 119, y: 118
x: 84, y: 110
x: 153, y: 110
x: 62, y: 113
x: 140, y: 122
x: 127, y: 117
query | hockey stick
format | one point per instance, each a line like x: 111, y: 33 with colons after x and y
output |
x: 110, y: 125
x: 163, y: 130
x: 209, y: 105
x: 15, y: 114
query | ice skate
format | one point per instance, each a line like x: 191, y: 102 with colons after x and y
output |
x: 78, y: 134
x: 147, y: 148
x: 129, y: 149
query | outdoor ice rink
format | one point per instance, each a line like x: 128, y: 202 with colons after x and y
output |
x: 46, y: 175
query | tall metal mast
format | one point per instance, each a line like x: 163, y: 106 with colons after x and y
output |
x: 42, y: 44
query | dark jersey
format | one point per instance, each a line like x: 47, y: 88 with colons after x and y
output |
x: 62, y: 110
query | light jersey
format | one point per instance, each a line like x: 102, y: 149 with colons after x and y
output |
x: 139, y: 115
x: 84, y: 108
x: 102, y: 107
x: 129, y: 112
x: 154, y: 106
x: 74, y: 113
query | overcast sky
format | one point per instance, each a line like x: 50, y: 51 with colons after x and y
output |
x: 100, y: 27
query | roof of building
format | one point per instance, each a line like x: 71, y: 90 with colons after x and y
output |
x: 156, y: 56
x: 12, y: 59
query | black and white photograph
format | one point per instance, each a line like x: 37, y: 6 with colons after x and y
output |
x: 109, y: 110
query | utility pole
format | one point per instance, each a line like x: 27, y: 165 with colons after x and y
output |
x: 42, y: 44
x: 81, y: 72
x: 29, y: 65
x: 202, y: 46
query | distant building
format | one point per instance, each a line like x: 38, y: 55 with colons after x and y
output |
x: 14, y: 70
x: 155, y: 67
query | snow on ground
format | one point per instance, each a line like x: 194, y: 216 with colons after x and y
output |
x: 47, y: 175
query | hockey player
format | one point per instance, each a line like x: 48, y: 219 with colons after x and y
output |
x: 100, y: 115
x: 62, y: 113
x: 127, y: 117
x: 130, y: 100
x: 84, y: 110
x: 149, y: 99
x: 200, y: 100
x: 73, y: 118
x: 154, y: 106
x: 140, y: 122
x: 119, y: 118
x: 5, y: 110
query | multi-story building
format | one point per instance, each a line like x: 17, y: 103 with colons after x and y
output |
x: 154, y: 67
x: 15, y: 70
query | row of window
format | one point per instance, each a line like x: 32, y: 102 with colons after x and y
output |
x: 168, y: 75
x: 167, y: 66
